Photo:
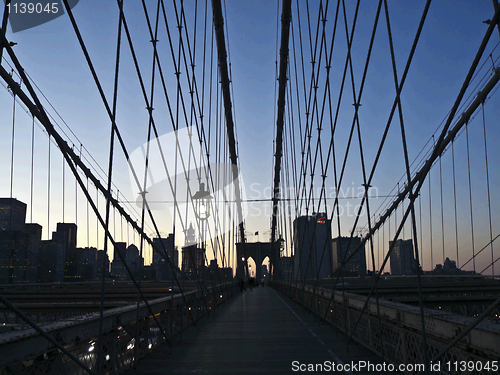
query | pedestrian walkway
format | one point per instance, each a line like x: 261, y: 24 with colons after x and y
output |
x: 259, y: 331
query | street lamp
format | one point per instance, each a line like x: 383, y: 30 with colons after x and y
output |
x: 202, y: 210
x: 202, y: 203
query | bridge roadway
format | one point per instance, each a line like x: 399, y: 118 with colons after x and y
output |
x: 258, y: 331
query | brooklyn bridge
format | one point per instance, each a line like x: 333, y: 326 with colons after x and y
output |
x: 230, y: 187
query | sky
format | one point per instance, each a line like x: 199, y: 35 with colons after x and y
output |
x: 52, y: 57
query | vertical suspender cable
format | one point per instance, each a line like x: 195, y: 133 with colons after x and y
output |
x: 442, y: 208
x: 121, y: 218
x: 32, y: 167
x: 48, y: 195
x: 470, y: 198
x: 455, y: 200
x: 76, y: 202
x: 430, y: 221
x: 110, y: 173
x: 63, y: 189
x: 421, y: 230
x: 12, y: 147
x: 97, y: 219
x: 146, y: 167
x: 88, y: 218
x: 488, y: 187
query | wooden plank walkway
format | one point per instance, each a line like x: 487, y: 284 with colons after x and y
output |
x: 259, y: 331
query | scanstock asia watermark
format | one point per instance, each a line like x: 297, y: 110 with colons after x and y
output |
x: 176, y: 170
x: 26, y: 14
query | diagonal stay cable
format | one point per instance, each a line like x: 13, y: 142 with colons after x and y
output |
x: 413, y: 218
x: 40, y: 113
x: 441, y: 145
x: 361, y: 245
x: 105, y: 102
x: 37, y: 328
x: 110, y: 172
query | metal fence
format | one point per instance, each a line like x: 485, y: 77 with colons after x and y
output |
x: 27, y: 352
x: 396, y: 333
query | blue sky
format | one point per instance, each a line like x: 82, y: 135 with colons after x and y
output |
x: 51, y: 55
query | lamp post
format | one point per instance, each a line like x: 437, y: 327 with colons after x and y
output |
x: 202, y: 210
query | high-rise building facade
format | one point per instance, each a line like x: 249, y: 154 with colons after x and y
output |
x: 356, y: 266
x: 193, y: 259
x: 51, y: 260
x: 102, y: 259
x: 35, y: 232
x: 313, y: 246
x: 163, y: 268
x: 12, y: 214
x: 14, y: 256
x: 66, y: 235
x: 89, y: 263
x: 402, y: 258
x: 19, y: 243
x: 69, y: 230
x: 118, y: 270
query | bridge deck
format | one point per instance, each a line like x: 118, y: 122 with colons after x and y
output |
x: 258, y: 332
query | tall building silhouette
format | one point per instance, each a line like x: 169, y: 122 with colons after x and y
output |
x: 162, y: 267
x: 69, y: 230
x: 15, y: 245
x: 51, y: 259
x: 12, y: 215
x: 313, y: 246
x: 402, y: 258
x: 89, y: 263
x: 102, y: 257
x: 118, y: 270
x: 193, y: 258
x: 356, y: 266
x: 66, y: 235
x: 35, y: 232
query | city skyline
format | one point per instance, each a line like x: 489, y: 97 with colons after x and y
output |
x: 442, y: 59
x: 265, y: 164
x: 60, y: 259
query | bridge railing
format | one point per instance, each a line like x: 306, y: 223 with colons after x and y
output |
x: 396, y: 334
x: 27, y: 352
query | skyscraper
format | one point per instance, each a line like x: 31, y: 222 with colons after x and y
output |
x: 102, y: 257
x: 133, y: 258
x: 35, y: 232
x: 89, y: 263
x: 402, y: 258
x: 14, y: 247
x: 66, y: 235
x: 69, y: 230
x: 193, y: 258
x: 14, y: 242
x: 162, y: 267
x: 51, y: 259
x: 118, y: 270
x: 12, y: 214
x: 356, y: 266
x: 313, y: 246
